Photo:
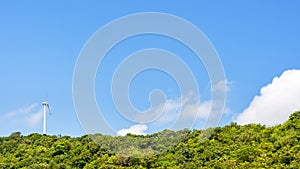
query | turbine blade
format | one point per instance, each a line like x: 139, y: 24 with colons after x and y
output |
x: 49, y: 109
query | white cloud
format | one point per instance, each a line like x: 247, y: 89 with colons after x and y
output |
x: 275, y: 102
x: 28, y: 117
x: 138, y: 129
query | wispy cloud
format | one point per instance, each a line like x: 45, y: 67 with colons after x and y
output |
x: 186, y: 111
x: 20, y: 111
x: 222, y: 86
x: 191, y: 109
x: 28, y: 117
x: 276, y: 101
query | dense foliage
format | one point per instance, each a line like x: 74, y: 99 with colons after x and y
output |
x: 233, y: 146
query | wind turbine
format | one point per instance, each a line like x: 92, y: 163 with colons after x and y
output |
x: 46, y: 105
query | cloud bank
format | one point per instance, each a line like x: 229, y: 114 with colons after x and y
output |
x: 275, y: 102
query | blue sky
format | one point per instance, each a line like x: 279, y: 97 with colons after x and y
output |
x: 40, y: 42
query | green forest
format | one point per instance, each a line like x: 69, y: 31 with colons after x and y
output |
x: 232, y: 146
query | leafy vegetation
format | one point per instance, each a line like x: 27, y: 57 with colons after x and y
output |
x: 233, y: 146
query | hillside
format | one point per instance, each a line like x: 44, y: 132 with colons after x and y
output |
x: 233, y: 146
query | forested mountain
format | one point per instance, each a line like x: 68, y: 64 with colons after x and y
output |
x: 233, y: 146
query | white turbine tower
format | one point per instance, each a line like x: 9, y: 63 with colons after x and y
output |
x: 46, y: 105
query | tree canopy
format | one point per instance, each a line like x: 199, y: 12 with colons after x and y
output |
x: 232, y: 146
